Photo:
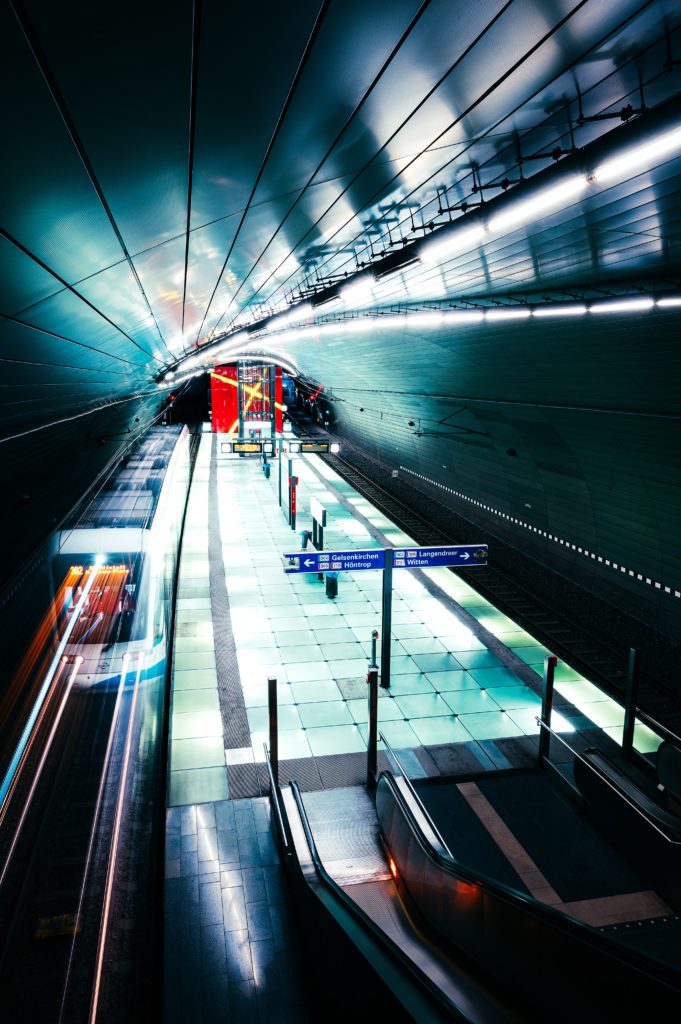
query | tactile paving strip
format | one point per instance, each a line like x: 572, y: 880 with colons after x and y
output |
x: 230, y: 694
x: 246, y: 780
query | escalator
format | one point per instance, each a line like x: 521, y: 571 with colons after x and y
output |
x: 402, y: 928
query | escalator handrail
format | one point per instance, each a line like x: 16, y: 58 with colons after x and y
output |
x: 391, y: 948
x: 275, y: 797
x: 527, y: 905
x: 415, y: 796
x: 616, y: 788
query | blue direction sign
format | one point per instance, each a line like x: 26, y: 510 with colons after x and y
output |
x: 334, y: 561
x: 423, y: 558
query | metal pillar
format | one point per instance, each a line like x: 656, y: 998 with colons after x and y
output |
x: 274, y: 726
x: 292, y: 500
x: 372, y: 715
x: 633, y: 677
x: 386, y: 617
x: 550, y: 662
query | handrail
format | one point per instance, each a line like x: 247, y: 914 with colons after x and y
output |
x: 274, y: 792
x: 648, y: 720
x: 377, y: 933
x: 412, y: 789
x: 528, y: 904
x: 620, y: 793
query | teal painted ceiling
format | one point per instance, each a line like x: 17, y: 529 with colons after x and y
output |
x: 173, y: 171
x: 174, y: 175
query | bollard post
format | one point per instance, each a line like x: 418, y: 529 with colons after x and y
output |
x: 633, y: 676
x: 386, y: 618
x: 372, y: 742
x: 550, y: 662
x: 294, y: 500
x: 374, y: 638
x: 274, y: 726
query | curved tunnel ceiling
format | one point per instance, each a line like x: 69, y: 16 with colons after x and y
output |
x: 173, y: 172
x: 176, y: 175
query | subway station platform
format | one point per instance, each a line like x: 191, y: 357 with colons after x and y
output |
x: 465, y: 679
x: 464, y: 697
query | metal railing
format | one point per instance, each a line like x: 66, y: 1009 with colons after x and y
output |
x: 415, y: 973
x: 605, y: 779
x: 275, y: 799
x: 415, y: 796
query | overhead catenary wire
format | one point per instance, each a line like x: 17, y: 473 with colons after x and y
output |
x: 40, y: 58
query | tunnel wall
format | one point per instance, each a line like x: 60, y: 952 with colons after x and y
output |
x: 562, y: 437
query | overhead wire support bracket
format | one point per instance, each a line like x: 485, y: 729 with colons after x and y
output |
x: 624, y: 114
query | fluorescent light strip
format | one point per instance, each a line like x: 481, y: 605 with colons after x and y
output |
x: 639, y: 158
x: 440, y: 248
x: 420, y: 318
x: 463, y: 316
x: 542, y: 202
x: 542, y: 311
x: 358, y: 293
x: 507, y: 313
x: 622, y: 306
x: 549, y: 536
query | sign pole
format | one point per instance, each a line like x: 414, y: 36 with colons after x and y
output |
x: 293, y: 485
x: 550, y: 662
x: 290, y: 475
x: 386, y: 618
x: 273, y: 726
x: 372, y: 743
x: 633, y: 676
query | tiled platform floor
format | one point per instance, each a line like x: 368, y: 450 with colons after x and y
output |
x: 230, y: 951
x: 464, y: 687
x: 459, y: 666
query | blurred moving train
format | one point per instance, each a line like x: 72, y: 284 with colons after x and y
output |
x: 113, y: 562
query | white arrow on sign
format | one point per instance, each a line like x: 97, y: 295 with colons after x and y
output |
x: 465, y: 556
x: 308, y: 561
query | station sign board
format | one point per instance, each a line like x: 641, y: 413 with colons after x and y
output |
x: 403, y: 558
x: 334, y: 561
x: 247, y: 447
x: 312, y: 446
x: 456, y: 554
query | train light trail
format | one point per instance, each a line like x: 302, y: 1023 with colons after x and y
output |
x: 41, y: 764
x: 113, y: 853
x: 44, y: 690
x: 93, y: 833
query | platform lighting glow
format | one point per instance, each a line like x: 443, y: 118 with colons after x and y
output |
x: 334, y: 448
x: 297, y: 314
x: 623, y: 306
x: 433, y: 318
x: 440, y: 248
x: 674, y: 300
x: 548, y: 311
x: 542, y: 202
x: 639, y: 158
x: 507, y: 314
x: 359, y: 326
x: 357, y: 293
x: 464, y: 316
